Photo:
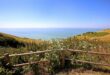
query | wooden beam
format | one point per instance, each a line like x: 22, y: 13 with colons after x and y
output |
x: 29, y: 63
x: 81, y: 61
x: 30, y: 53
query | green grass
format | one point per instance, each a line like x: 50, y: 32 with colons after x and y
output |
x: 95, y: 34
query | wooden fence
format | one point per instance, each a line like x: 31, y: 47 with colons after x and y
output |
x: 70, y: 50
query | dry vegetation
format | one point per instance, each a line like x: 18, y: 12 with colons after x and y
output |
x: 87, y: 72
x: 90, y: 41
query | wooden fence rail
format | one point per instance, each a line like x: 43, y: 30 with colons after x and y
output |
x: 101, y: 64
x: 30, y: 53
x: 71, y: 50
x: 30, y: 63
x: 37, y: 52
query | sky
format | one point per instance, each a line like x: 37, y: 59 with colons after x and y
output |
x: 54, y: 13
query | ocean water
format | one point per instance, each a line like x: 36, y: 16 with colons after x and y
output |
x: 46, y: 33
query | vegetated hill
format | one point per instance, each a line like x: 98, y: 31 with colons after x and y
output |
x: 106, y: 30
x: 106, y: 37
x: 103, y: 35
x: 86, y: 41
x: 7, y: 40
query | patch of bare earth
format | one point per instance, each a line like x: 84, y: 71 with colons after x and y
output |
x: 82, y: 72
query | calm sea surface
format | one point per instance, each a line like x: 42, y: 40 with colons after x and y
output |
x: 46, y: 33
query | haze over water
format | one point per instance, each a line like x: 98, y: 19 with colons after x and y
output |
x: 46, y: 33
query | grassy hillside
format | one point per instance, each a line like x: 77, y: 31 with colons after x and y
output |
x: 14, y: 41
x: 91, y: 41
x: 13, y: 44
x: 97, y: 41
x: 7, y: 40
x: 103, y: 35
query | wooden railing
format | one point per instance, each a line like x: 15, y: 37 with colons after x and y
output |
x: 93, y: 53
x: 70, y: 50
x: 30, y: 53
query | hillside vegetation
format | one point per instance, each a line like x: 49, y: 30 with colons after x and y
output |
x: 90, y: 41
x: 13, y: 44
x: 103, y: 35
x: 8, y: 40
x: 16, y: 42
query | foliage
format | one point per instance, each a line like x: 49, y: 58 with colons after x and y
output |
x: 12, y: 44
x: 5, y: 72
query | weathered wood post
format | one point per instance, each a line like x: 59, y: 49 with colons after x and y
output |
x: 6, y: 61
x: 6, y: 58
x: 62, y: 59
x: 67, y: 59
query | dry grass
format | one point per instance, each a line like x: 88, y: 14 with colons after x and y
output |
x: 106, y: 30
x: 105, y: 38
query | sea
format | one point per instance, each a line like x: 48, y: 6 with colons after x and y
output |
x: 47, y: 33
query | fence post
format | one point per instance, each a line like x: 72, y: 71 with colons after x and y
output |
x: 6, y: 62
x: 6, y: 58
x: 62, y: 60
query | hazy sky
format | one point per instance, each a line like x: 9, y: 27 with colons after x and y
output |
x: 54, y: 13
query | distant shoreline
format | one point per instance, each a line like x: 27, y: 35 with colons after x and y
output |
x: 47, y: 33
